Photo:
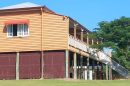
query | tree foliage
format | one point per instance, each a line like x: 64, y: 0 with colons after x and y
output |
x: 115, y: 35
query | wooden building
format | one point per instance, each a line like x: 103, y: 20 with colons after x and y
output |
x: 36, y: 42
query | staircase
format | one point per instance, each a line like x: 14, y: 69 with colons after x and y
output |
x: 118, y: 68
x: 104, y: 58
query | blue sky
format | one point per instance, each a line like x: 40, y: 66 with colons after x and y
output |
x: 87, y: 12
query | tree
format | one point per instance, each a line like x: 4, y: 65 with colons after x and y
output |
x: 115, y: 35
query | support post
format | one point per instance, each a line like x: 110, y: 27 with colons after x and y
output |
x: 42, y: 59
x: 101, y: 76
x: 88, y: 68
x: 67, y: 63
x: 87, y: 39
x: 92, y: 41
x: 75, y: 66
x: 98, y: 74
x: 75, y: 56
x: 17, y: 66
x: 75, y: 30
x: 81, y: 65
x: 81, y: 58
x: 110, y: 73
x: 97, y: 41
x: 42, y: 65
x: 106, y: 72
x: 82, y: 34
x: 93, y: 68
x: 110, y: 69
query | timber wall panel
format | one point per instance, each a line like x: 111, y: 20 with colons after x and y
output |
x: 54, y: 64
x: 7, y: 65
x: 30, y: 43
x: 55, y: 32
x: 30, y: 65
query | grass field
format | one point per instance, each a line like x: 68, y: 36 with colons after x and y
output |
x: 64, y: 83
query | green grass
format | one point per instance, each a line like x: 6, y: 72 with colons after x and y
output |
x: 64, y: 83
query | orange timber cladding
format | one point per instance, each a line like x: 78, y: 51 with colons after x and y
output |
x: 47, y: 32
x: 54, y: 32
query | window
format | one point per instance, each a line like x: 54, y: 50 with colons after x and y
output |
x: 18, y: 30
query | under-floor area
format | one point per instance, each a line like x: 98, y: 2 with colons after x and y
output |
x: 50, y: 65
x: 85, y: 67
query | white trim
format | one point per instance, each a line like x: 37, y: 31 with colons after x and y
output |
x: 78, y: 44
x: 20, y: 30
x: 8, y: 33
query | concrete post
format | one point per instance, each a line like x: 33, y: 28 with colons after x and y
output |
x: 66, y: 63
x: 75, y: 66
x: 17, y: 66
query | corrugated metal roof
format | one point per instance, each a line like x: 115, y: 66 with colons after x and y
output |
x: 21, y: 5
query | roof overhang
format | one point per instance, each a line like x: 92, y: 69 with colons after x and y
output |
x: 35, y: 9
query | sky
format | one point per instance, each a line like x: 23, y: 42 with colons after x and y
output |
x: 88, y: 12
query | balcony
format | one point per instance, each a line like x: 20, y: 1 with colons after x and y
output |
x: 98, y: 55
x: 74, y: 42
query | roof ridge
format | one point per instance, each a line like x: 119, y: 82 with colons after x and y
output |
x: 21, y: 5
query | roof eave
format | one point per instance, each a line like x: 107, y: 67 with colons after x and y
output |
x: 20, y: 8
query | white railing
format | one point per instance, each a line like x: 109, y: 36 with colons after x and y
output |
x: 104, y: 57
x: 77, y: 44
x: 83, y: 46
x: 119, y: 68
